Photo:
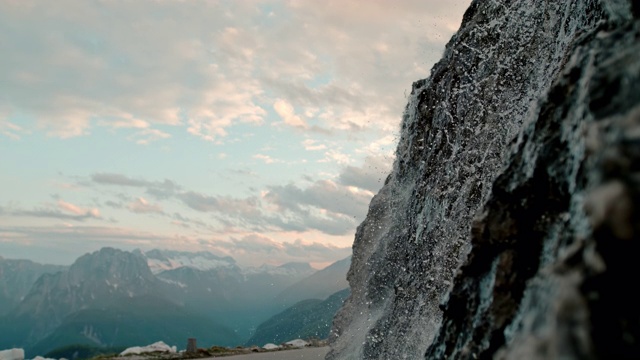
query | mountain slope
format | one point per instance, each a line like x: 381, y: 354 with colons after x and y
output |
x: 238, y: 298
x: 255, y: 302
x: 16, y: 279
x: 199, y: 289
x: 306, y: 319
x: 319, y: 285
x: 271, y: 280
x: 140, y: 320
x: 93, y: 280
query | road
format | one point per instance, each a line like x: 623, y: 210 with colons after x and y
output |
x: 314, y: 353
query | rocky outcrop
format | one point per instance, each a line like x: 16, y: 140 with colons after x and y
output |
x: 509, y: 214
x: 94, y: 280
x: 558, y: 237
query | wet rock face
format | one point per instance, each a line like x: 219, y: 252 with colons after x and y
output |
x: 561, y: 229
x: 510, y: 210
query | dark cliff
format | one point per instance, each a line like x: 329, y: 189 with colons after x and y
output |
x: 509, y: 217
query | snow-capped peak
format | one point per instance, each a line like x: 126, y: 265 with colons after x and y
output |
x: 162, y: 260
x: 288, y: 269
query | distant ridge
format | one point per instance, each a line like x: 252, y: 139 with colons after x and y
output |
x: 16, y: 279
x: 162, y: 260
x: 319, y: 285
x: 304, y: 320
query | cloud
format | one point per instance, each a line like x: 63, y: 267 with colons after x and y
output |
x: 62, y: 211
x: 288, y: 115
x: 335, y: 156
x: 209, y: 66
x: 245, y: 212
x: 145, y: 136
x: 315, y: 250
x: 331, y: 206
x: 126, y: 121
x: 158, y: 189
x: 147, y: 71
x: 312, y: 145
x: 10, y: 130
x: 114, y: 204
x: 64, y: 244
x: 247, y: 208
x: 255, y: 244
x: 257, y: 249
x: 142, y: 206
x: 266, y: 158
x: 68, y: 207
x: 322, y: 96
x: 325, y: 206
x: 200, y: 202
x: 189, y: 222
x: 48, y: 213
x: 370, y: 176
x: 246, y: 172
x: 168, y: 82
x: 118, y: 179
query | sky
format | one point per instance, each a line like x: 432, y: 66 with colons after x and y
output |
x: 255, y: 129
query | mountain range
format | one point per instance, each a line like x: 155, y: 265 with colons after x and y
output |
x: 112, y: 298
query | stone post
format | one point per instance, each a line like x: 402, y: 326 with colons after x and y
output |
x: 191, y: 345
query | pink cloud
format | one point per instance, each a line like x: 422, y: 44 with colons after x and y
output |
x: 142, y: 206
x: 76, y: 210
